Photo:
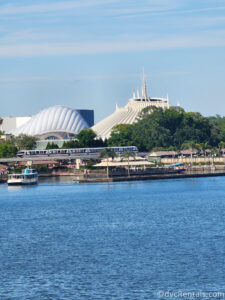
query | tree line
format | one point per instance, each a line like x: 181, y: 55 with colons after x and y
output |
x: 170, y: 129
x: 10, y: 146
x: 155, y: 129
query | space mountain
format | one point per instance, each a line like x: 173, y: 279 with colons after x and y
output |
x: 129, y: 113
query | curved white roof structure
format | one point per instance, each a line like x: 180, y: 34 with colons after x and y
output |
x: 129, y: 113
x: 55, y: 119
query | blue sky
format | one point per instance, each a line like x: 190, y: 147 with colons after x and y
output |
x: 90, y: 53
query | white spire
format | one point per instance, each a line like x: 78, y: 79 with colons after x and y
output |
x: 138, y: 96
x: 134, y: 95
x: 168, y: 101
x: 144, y: 89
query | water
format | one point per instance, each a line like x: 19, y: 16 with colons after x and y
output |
x: 62, y: 240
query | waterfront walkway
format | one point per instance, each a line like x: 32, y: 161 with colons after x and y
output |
x: 190, y: 174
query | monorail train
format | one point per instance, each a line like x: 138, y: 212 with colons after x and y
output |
x: 75, y: 151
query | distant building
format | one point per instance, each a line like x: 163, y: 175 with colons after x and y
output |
x: 164, y: 154
x: 88, y: 116
x: 129, y: 113
x: 12, y: 123
x: 56, y: 123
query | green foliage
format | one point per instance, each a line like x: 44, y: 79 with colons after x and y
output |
x: 41, y: 168
x: 218, y: 129
x: 107, y: 153
x: 120, y: 135
x: 52, y: 146
x: 23, y: 141
x: 7, y: 150
x: 169, y: 129
x: 86, y: 138
x: 189, y: 145
x: 221, y: 145
x: 127, y: 154
x: 90, y: 164
x: 71, y: 144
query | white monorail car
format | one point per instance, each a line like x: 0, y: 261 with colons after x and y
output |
x: 74, y: 151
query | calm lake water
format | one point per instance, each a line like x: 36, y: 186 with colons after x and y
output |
x: 63, y: 240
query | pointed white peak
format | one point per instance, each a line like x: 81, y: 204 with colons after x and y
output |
x: 117, y: 107
x: 168, y: 101
x: 167, y: 98
x: 144, y: 88
x: 138, y: 96
x: 134, y: 96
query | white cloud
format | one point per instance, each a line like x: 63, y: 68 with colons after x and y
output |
x: 50, y: 7
x: 24, y: 79
x: 205, y: 39
x: 171, y: 9
x: 69, y: 79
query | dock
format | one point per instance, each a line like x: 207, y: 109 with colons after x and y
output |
x: 151, y: 177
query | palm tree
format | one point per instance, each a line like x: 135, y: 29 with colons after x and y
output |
x: 189, y: 145
x: 127, y: 154
x: 213, y: 154
x: 221, y: 146
x: 204, y: 147
x: 107, y: 153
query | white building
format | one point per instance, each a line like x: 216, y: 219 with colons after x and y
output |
x: 54, y: 123
x: 129, y: 113
x: 11, y: 123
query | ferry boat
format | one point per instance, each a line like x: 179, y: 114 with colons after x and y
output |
x: 27, y: 177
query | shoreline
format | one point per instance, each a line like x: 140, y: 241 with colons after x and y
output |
x: 81, y: 179
x: 151, y: 177
x: 90, y: 179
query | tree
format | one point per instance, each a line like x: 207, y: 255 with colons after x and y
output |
x: 189, y: 145
x: 218, y: 130
x: 150, y: 131
x: 51, y: 146
x: 7, y: 150
x: 165, y: 129
x: 70, y: 144
x: 221, y: 145
x: 107, y: 153
x: 86, y: 138
x: 24, y: 142
x: 121, y: 135
x: 214, y: 153
x: 127, y: 154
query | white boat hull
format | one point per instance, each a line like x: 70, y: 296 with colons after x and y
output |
x: 28, y: 177
x: 22, y: 182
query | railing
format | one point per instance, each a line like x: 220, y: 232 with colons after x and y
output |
x: 189, y: 160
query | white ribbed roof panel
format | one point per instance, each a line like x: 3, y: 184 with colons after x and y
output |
x: 129, y: 113
x: 53, y: 119
x: 126, y: 115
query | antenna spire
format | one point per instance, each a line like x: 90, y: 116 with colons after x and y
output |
x: 138, y: 96
x: 144, y: 88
